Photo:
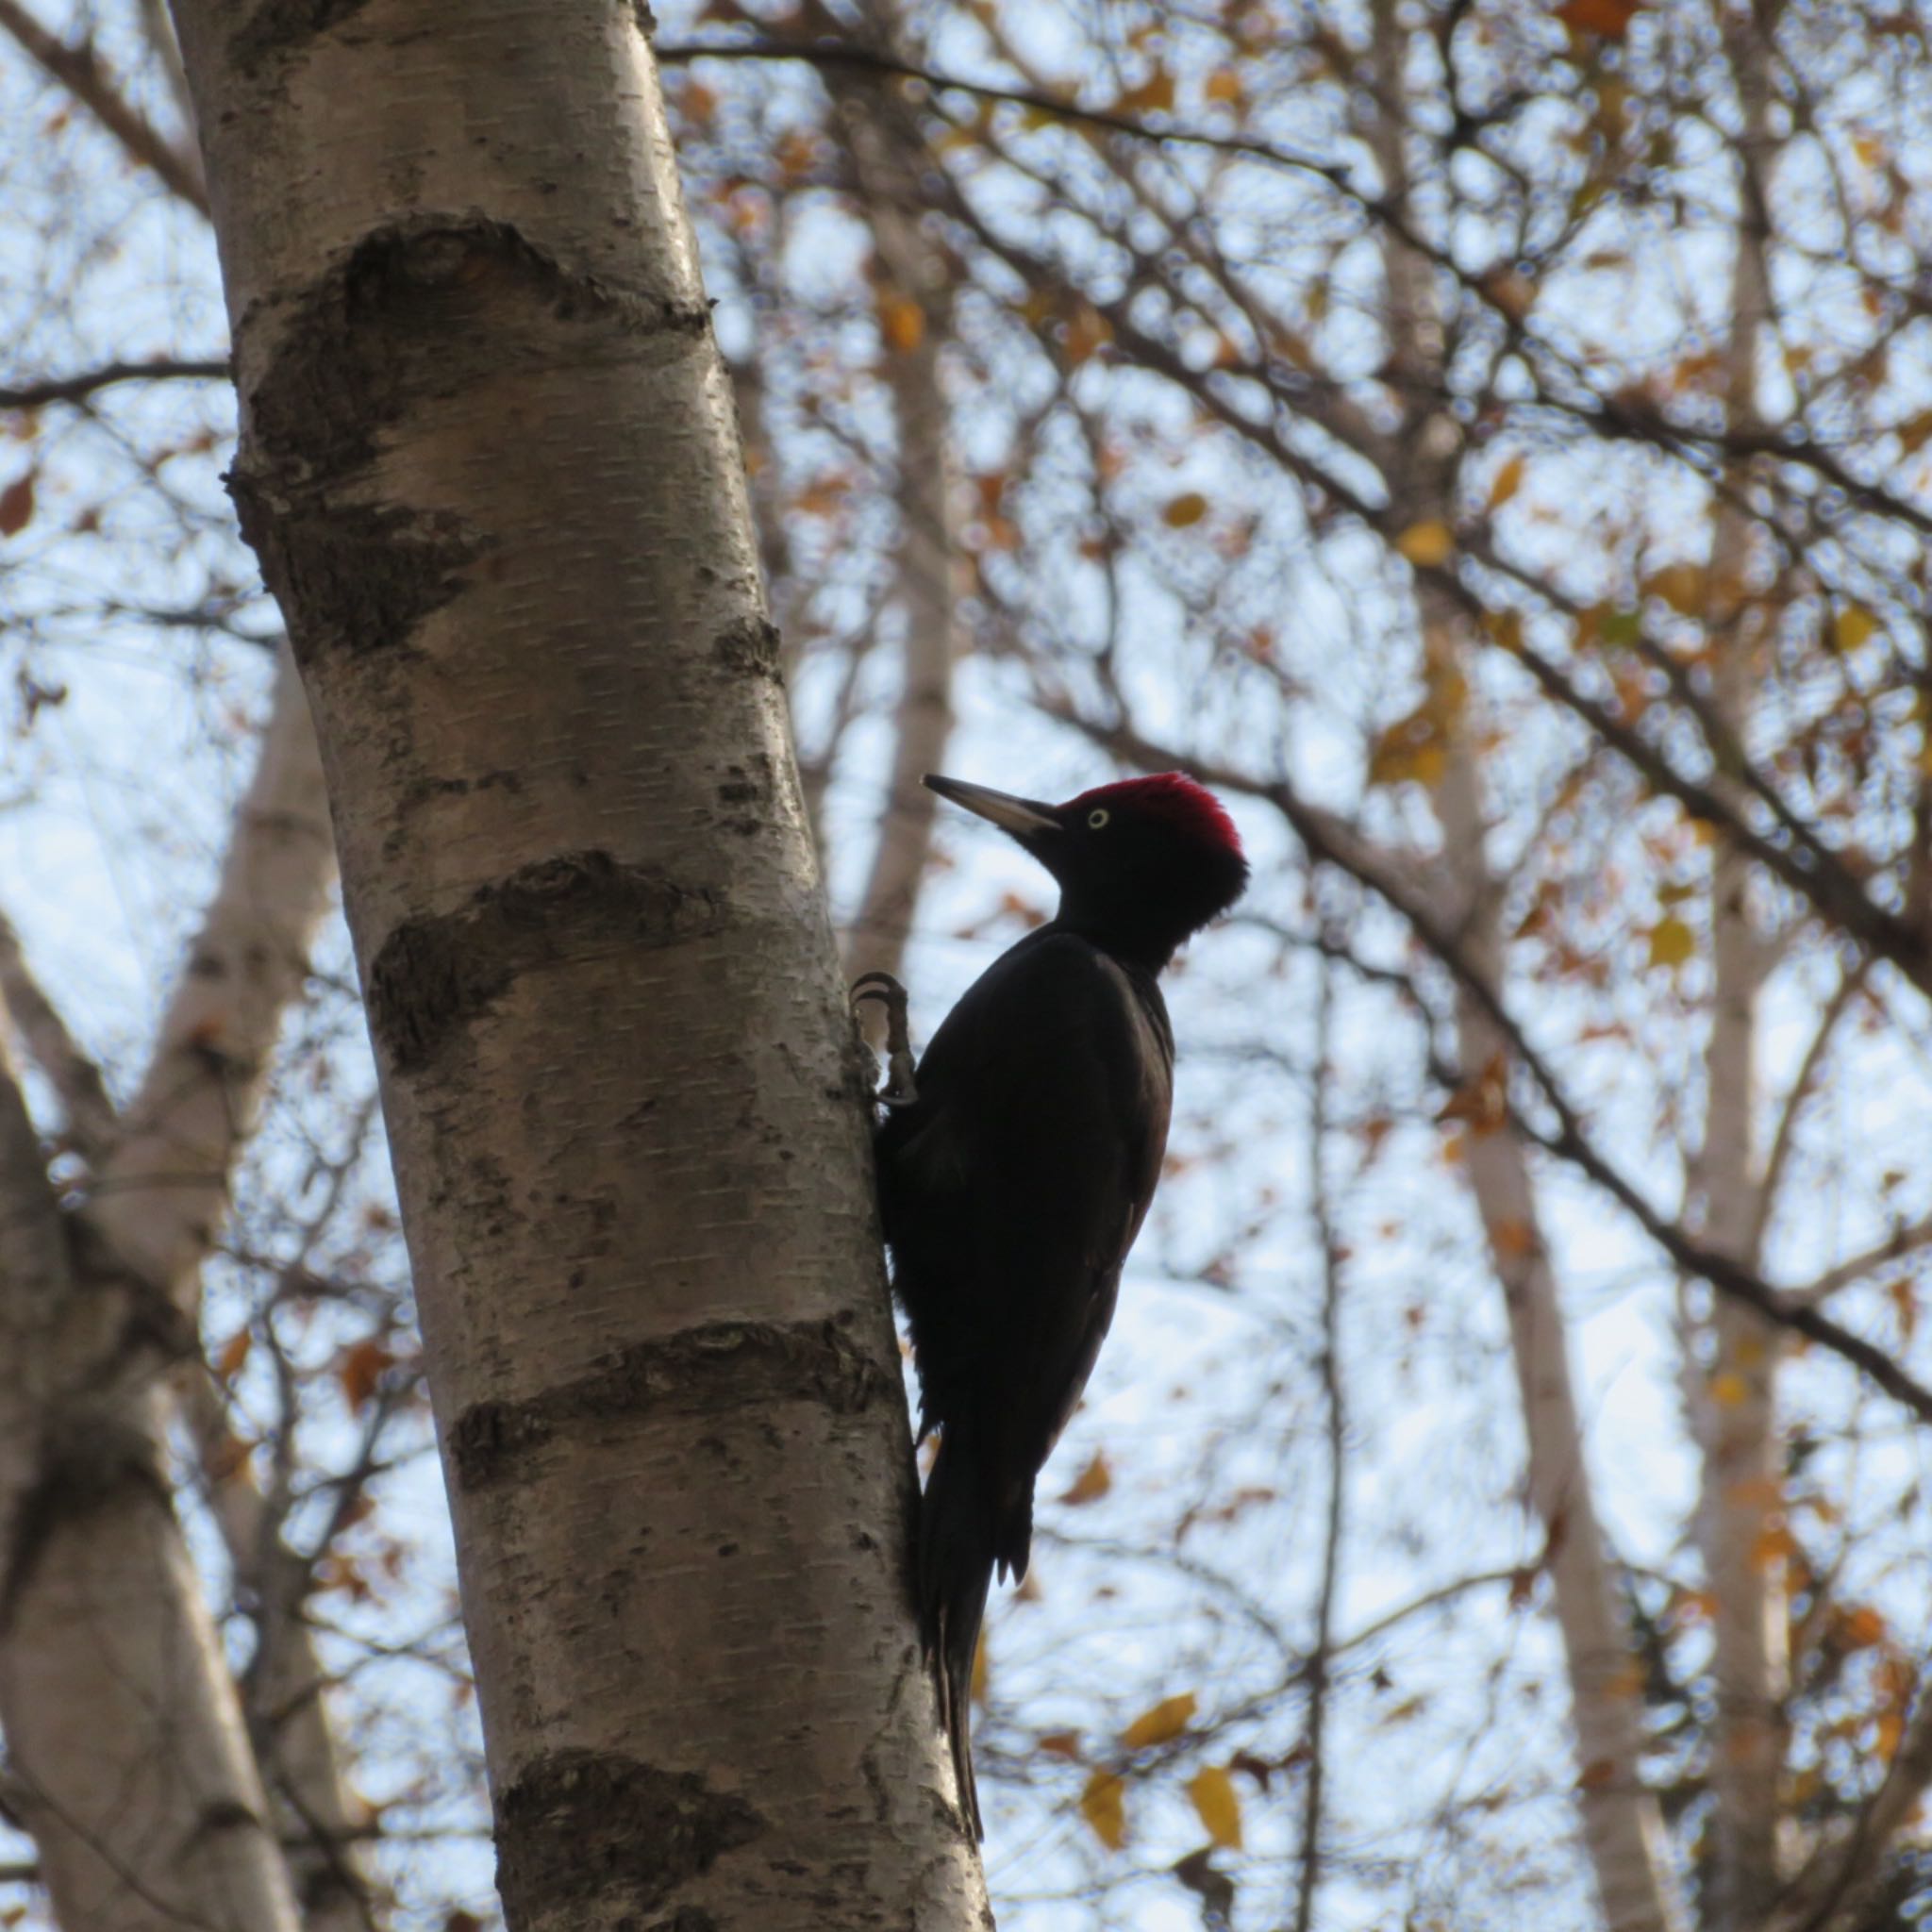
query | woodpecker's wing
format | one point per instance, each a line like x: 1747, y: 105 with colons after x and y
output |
x: 1015, y: 1185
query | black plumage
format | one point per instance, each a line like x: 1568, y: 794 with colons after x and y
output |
x: 1014, y: 1186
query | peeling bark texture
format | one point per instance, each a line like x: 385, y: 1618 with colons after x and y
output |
x: 148, y: 1815
x: 488, y: 465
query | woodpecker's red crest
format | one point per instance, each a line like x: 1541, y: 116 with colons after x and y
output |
x: 1141, y: 863
x: 1171, y: 795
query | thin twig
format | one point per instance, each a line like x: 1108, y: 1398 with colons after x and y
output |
x: 1331, y: 1546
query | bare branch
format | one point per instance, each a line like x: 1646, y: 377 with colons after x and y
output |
x: 1569, y: 1140
x: 89, y: 382
x: 80, y: 73
x: 75, y: 1079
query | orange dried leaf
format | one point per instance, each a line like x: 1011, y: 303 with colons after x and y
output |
x: 1609, y: 19
x: 1427, y: 544
x: 17, y: 505
x: 1513, y: 1240
x: 1218, y: 1805
x: 1859, y: 1626
x: 360, y: 1370
x: 1088, y: 333
x: 1162, y: 1724
x: 1223, y: 85
x: 1508, y: 481
x: 1154, y: 95
x: 1481, y: 1103
x: 902, y: 321
x: 1679, y: 584
x: 1104, y: 1805
x: 1729, y: 1389
x: 982, y: 1669
x: 1185, y: 510
x: 1092, y: 1482
x: 1852, y: 627
x: 234, y: 1353
x: 1062, y: 1744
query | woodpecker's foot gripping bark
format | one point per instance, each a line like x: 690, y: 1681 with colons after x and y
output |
x: 899, y: 1089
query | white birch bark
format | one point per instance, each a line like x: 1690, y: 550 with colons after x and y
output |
x: 1731, y: 1395
x: 162, y: 1190
x: 128, y: 1759
x: 922, y: 714
x: 160, y: 1194
x: 1623, y: 1828
x: 487, y: 460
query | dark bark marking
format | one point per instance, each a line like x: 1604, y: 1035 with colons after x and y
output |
x: 723, y: 1365
x: 748, y: 647
x: 352, y: 577
x: 86, y: 1467
x: 286, y: 26
x: 416, y: 311
x: 423, y: 308
x: 436, y: 974
x: 578, y: 1825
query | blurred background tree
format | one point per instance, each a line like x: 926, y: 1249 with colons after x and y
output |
x: 1485, y: 440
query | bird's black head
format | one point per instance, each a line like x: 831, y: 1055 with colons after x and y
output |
x: 1142, y: 864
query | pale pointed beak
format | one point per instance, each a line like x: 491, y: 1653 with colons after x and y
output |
x: 1025, y: 818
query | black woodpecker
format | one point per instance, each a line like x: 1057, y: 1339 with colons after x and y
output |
x: 1012, y: 1184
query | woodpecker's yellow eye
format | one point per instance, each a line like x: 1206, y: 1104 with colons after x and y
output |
x: 1098, y: 817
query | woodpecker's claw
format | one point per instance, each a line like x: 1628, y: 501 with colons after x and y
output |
x: 899, y: 1089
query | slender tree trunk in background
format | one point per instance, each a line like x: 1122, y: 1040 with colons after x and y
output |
x: 887, y: 159
x: 1623, y: 1827
x: 150, y: 1813
x: 487, y: 460
x: 1732, y: 1395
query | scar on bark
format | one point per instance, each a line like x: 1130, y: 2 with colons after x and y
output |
x: 720, y: 1365
x: 434, y: 975
x: 575, y: 1825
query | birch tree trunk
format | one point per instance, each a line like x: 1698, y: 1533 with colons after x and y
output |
x: 1622, y: 1831
x: 887, y: 161
x: 151, y: 1812
x: 1623, y: 1828
x: 488, y: 462
x: 1731, y: 1389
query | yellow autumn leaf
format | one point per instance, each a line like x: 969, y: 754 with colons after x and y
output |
x: 1508, y: 481
x: 1223, y: 84
x: 1087, y: 334
x: 1104, y: 1805
x: 1185, y: 510
x: 1852, y: 627
x: 902, y: 321
x: 1680, y: 586
x: 1729, y: 1389
x: 1425, y: 545
x: 1162, y: 1724
x: 1154, y: 95
x: 1091, y: 1483
x: 1672, y: 942
x: 1218, y: 1804
x: 981, y: 1669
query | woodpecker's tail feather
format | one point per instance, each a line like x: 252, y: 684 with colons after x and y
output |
x: 957, y: 1543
